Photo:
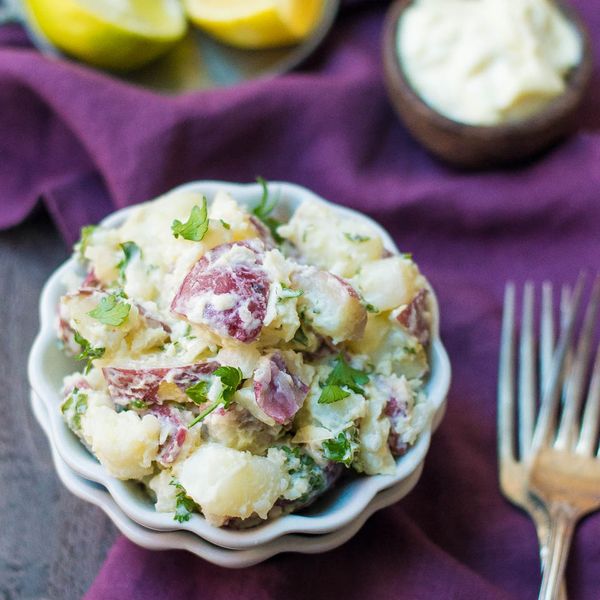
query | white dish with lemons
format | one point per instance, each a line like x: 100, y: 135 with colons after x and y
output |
x: 343, y: 503
x: 151, y: 43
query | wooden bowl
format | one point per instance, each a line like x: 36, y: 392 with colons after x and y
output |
x: 478, y: 146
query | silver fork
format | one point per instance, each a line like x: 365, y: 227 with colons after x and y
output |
x: 514, y: 450
x: 539, y: 450
x: 565, y: 461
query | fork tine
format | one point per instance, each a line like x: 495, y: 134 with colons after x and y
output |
x: 552, y: 386
x: 527, y: 396
x: 591, y: 416
x: 546, y: 332
x: 506, y: 385
x: 576, y: 376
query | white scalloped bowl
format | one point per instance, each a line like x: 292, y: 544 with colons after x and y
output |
x: 340, y: 506
x: 184, y: 540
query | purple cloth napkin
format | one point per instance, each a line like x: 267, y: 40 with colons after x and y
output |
x: 86, y: 143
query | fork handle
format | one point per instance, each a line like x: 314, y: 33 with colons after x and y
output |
x: 563, y: 519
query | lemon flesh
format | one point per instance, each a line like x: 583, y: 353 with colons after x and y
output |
x: 113, y: 34
x: 255, y: 24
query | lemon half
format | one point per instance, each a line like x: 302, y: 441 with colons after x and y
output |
x: 113, y: 34
x: 258, y: 23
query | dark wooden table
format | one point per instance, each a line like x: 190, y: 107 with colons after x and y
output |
x: 51, y: 543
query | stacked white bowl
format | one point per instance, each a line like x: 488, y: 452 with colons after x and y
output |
x: 331, y: 521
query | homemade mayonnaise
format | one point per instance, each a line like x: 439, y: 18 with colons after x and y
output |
x: 485, y: 62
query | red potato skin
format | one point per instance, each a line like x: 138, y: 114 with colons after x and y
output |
x: 279, y: 393
x: 126, y: 385
x: 394, y: 409
x: 413, y: 317
x: 170, y: 419
x: 248, y: 282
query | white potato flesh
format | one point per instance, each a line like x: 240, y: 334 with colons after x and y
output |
x: 331, y: 306
x: 124, y: 443
x: 75, y: 309
x: 374, y: 454
x: 232, y: 483
x: 388, y: 282
x: 340, y: 244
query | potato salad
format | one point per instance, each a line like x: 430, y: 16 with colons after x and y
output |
x: 236, y: 364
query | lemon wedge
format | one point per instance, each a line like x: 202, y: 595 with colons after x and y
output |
x: 113, y: 34
x: 256, y: 24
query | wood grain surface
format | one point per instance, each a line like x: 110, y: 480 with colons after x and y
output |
x: 51, y: 543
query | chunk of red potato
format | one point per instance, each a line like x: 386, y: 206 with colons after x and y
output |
x: 331, y: 306
x: 229, y: 483
x: 173, y: 433
x: 73, y: 314
x: 154, y: 385
x: 279, y: 393
x: 387, y: 283
x: 237, y: 428
x: 396, y: 409
x: 227, y: 290
x: 415, y: 317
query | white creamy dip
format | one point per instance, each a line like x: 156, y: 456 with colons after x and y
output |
x: 486, y: 62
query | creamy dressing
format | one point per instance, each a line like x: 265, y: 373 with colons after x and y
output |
x: 485, y: 62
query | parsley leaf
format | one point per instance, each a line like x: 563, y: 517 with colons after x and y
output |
x: 197, y: 392
x: 407, y: 255
x: 111, y: 311
x: 300, y: 337
x: 139, y: 404
x: 370, y: 308
x: 73, y: 407
x: 184, y: 506
x: 130, y: 250
x: 84, y: 240
x: 264, y: 210
x: 342, y: 376
x: 356, y: 237
x: 231, y: 379
x: 225, y: 224
x: 340, y: 448
x: 332, y: 393
x: 88, y: 352
x: 302, y: 466
x: 287, y: 292
x: 195, y: 228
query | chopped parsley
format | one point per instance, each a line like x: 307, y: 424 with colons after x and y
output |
x: 340, y: 449
x: 84, y: 240
x: 130, y: 250
x: 300, y: 337
x: 88, y: 352
x: 111, y: 311
x: 356, y: 237
x: 370, y: 308
x: 197, y: 392
x: 265, y: 208
x: 73, y: 407
x: 302, y: 466
x: 407, y: 255
x: 139, y: 404
x: 287, y: 292
x: 225, y: 224
x: 184, y: 506
x: 231, y: 379
x: 332, y: 393
x: 195, y: 228
x: 341, y: 379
